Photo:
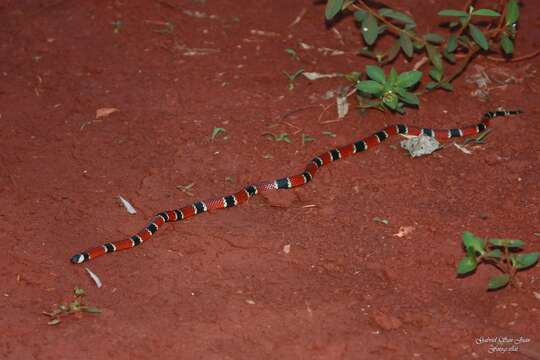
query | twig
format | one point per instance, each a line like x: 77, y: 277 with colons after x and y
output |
x: 299, y: 17
x: 294, y: 111
x: 520, y: 58
x: 420, y: 63
x: 325, y: 108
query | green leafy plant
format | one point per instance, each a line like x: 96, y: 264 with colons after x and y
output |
x: 468, y: 33
x: 74, y: 307
x: 504, y: 254
x: 392, y: 91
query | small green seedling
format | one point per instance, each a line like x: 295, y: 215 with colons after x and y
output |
x: 75, y: 307
x: 278, y: 137
x: 216, y: 131
x: 390, y: 92
x: 501, y: 253
x: 381, y: 220
x: 292, y: 77
x: 293, y: 53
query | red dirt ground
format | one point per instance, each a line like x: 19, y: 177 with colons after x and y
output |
x: 220, y: 286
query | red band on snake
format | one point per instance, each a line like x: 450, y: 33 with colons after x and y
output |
x: 290, y: 182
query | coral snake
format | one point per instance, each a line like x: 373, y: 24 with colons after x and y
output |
x: 284, y: 183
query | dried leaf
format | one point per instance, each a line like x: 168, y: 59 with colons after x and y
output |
x: 404, y: 231
x: 342, y: 106
x: 130, y: 209
x: 287, y: 248
x: 104, y: 112
x: 94, y: 277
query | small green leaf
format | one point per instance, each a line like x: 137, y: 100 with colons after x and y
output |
x: 466, y: 265
x: 408, y: 98
x: 497, y: 253
x: 512, y: 12
x: 435, y: 74
x: 332, y: 8
x: 293, y: 53
x: 360, y: 15
x: 456, y: 13
x: 451, y: 44
x: 432, y: 85
x: 215, y: 132
x: 434, y: 38
x: 409, y: 78
x: 399, y: 16
x: 434, y: 56
x: 376, y: 73
x: 507, y: 45
x: 478, y: 36
x: 370, y: 29
x: 370, y: 87
x: 472, y: 242
x: 485, y: 12
x: 406, y: 43
x: 446, y: 86
x: 507, y: 243
x: 449, y: 56
x: 498, y: 281
x: 392, y: 76
x: 381, y: 220
x: 353, y: 76
x: 392, y: 52
x: 523, y: 261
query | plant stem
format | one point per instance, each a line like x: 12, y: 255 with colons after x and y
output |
x: 520, y: 58
x: 395, y: 29
x: 473, y: 52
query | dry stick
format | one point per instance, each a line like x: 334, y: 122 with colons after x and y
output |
x: 520, y: 58
x: 294, y: 111
x: 298, y: 18
x: 420, y: 63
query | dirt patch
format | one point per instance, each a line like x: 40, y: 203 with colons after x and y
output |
x: 221, y: 286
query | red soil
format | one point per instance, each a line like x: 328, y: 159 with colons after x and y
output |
x: 220, y: 286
